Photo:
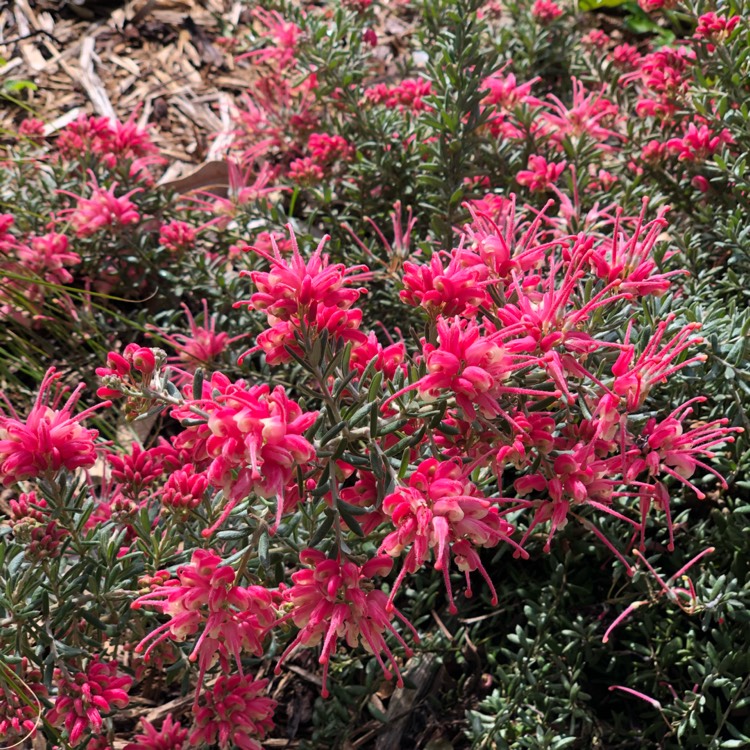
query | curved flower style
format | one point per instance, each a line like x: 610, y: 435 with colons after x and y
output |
x: 634, y: 379
x: 251, y: 441
x: 84, y: 696
x: 295, y: 288
x: 442, y: 512
x: 171, y: 736
x: 472, y: 366
x: 331, y: 600
x: 204, y: 594
x: 103, y: 210
x: 234, y: 714
x: 50, y: 438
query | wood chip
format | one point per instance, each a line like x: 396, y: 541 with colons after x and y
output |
x: 91, y: 82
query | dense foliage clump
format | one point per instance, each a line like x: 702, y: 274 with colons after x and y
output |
x: 447, y: 388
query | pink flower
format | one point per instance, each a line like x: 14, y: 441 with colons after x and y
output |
x: 455, y: 288
x: 32, y: 129
x: 630, y: 259
x: 341, y: 325
x: 540, y: 173
x: 177, y: 237
x: 470, y: 365
x: 171, y: 736
x: 654, y: 152
x: 298, y: 287
x: 699, y: 182
x: 715, y: 28
x: 326, y: 149
x: 103, y: 210
x: 83, y: 697
x: 184, y: 490
x: 506, y: 242
x: 283, y: 37
x: 596, y: 38
x: 330, y: 600
x: 442, y: 512
x: 651, y: 5
x: 546, y: 11
x: 234, y: 714
x: 252, y: 439
x: 129, y: 371
x: 388, y: 359
x: 697, y: 144
x: 408, y: 95
x: 369, y: 36
x: 50, y: 438
x: 112, y: 142
x: 626, y: 56
x: 589, y: 116
x: 48, y: 256
x: 203, y: 346
x: 666, y: 448
x: 136, y: 470
x: 204, y: 595
x: 634, y: 379
x: 505, y: 93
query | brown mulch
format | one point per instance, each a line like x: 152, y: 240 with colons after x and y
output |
x: 163, y: 59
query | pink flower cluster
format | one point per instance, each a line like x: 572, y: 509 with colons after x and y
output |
x: 331, y: 599
x: 103, y: 210
x: 234, y: 714
x: 83, y: 697
x: 19, y: 716
x: 204, y: 596
x: 252, y: 440
x: 111, y: 141
x: 442, y: 513
x: 51, y: 437
x: 408, y: 95
x: 305, y: 298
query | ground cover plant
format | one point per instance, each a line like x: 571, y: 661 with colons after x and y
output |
x: 425, y: 428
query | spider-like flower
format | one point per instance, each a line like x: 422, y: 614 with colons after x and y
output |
x: 294, y: 287
x: 454, y: 288
x: 252, y: 439
x: 103, y: 210
x: 171, y: 736
x: 442, y: 512
x: 204, y: 595
x: 203, y: 346
x: 51, y: 438
x: 540, y: 173
x: 471, y: 365
x: 331, y: 599
x: 634, y: 379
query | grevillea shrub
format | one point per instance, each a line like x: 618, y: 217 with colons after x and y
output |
x: 438, y: 393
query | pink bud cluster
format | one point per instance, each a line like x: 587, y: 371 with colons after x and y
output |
x: 83, y: 697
